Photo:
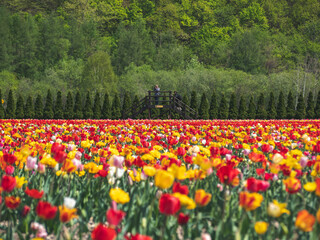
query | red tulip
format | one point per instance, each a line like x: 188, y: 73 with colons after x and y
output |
x: 34, y: 193
x: 102, y: 232
x: 181, y: 151
x: 25, y: 211
x: 8, y: 183
x: 260, y: 171
x: 177, y: 187
x: 265, y: 148
x: 255, y: 185
x: 60, y: 156
x: 56, y: 147
x: 45, y: 210
x: 228, y: 175
x: 168, y: 204
x: 183, y: 218
x: 114, y: 217
x: 9, y: 170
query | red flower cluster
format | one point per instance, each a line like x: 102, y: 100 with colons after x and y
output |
x: 256, y: 185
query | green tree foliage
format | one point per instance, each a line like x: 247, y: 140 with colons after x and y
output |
x: 54, y: 41
x: 301, y: 107
x: 20, y: 107
x: 134, y: 105
x: 193, y: 101
x: 78, y: 114
x: 58, y: 107
x: 98, y: 73
x: 24, y: 45
x: 103, y: 45
x: 310, y: 106
x: 281, y: 107
x: 5, y: 43
x: 126, y: 105
x: 272, y: 110
x: 185, y: 99
x: 29, y: 108
x: 204, y: 107
x: 134, y: 46
x: 291, y: 112
x: 213, y: 111
x: 48, y: 107
x: 38, y: 107
x: 87, y: 109
x: 68, y: 107
x: 247, y: 51
x: 223, y: 108
x: 233, y: 108
x: 10, y: 111
x: 106, y: 107
x: 261, y: 109
x: 242, y: 114
x: 2, y: 112
x: 170, y: 55
x: 116, y: 108
x: 252, y: 109
x: 44, y: 6
x: 97, y: 106
x: 317, y: 108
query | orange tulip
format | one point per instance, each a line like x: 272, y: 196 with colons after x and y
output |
x: 202, y: 198
x: 305, y: 221
x: 250, y: 201
x: 12, y: 202
x: 318, y: 216
x: 257, y: 157
x: 293, y: 185
x: 67, y: 214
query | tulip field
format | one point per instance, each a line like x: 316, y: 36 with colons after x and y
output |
x: 159, y: 179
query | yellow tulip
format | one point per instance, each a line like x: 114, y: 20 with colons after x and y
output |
x: 149, y: 171
x: 185, y: 201
x: 276, y: 209
x: 119, y: 196
x: 164, y: 179
x: 310, y: 186
x: 261, y: 227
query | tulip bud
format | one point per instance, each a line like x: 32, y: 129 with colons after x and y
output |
x: 144, y: 222
x: 31, y: 163
x: 158, y: 194
x: 41, y: 168
x: 25, y: 211
x: 205, y: 236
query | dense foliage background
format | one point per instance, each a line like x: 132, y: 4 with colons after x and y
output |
x: 233, y: 46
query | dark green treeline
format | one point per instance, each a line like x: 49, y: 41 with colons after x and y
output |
x: 95, y: 105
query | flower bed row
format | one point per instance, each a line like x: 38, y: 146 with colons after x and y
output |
x: 145, y: 179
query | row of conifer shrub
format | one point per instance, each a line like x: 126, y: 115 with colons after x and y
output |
x: 83, y: 106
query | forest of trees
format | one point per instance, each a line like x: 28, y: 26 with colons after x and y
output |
x: 245, y: 47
